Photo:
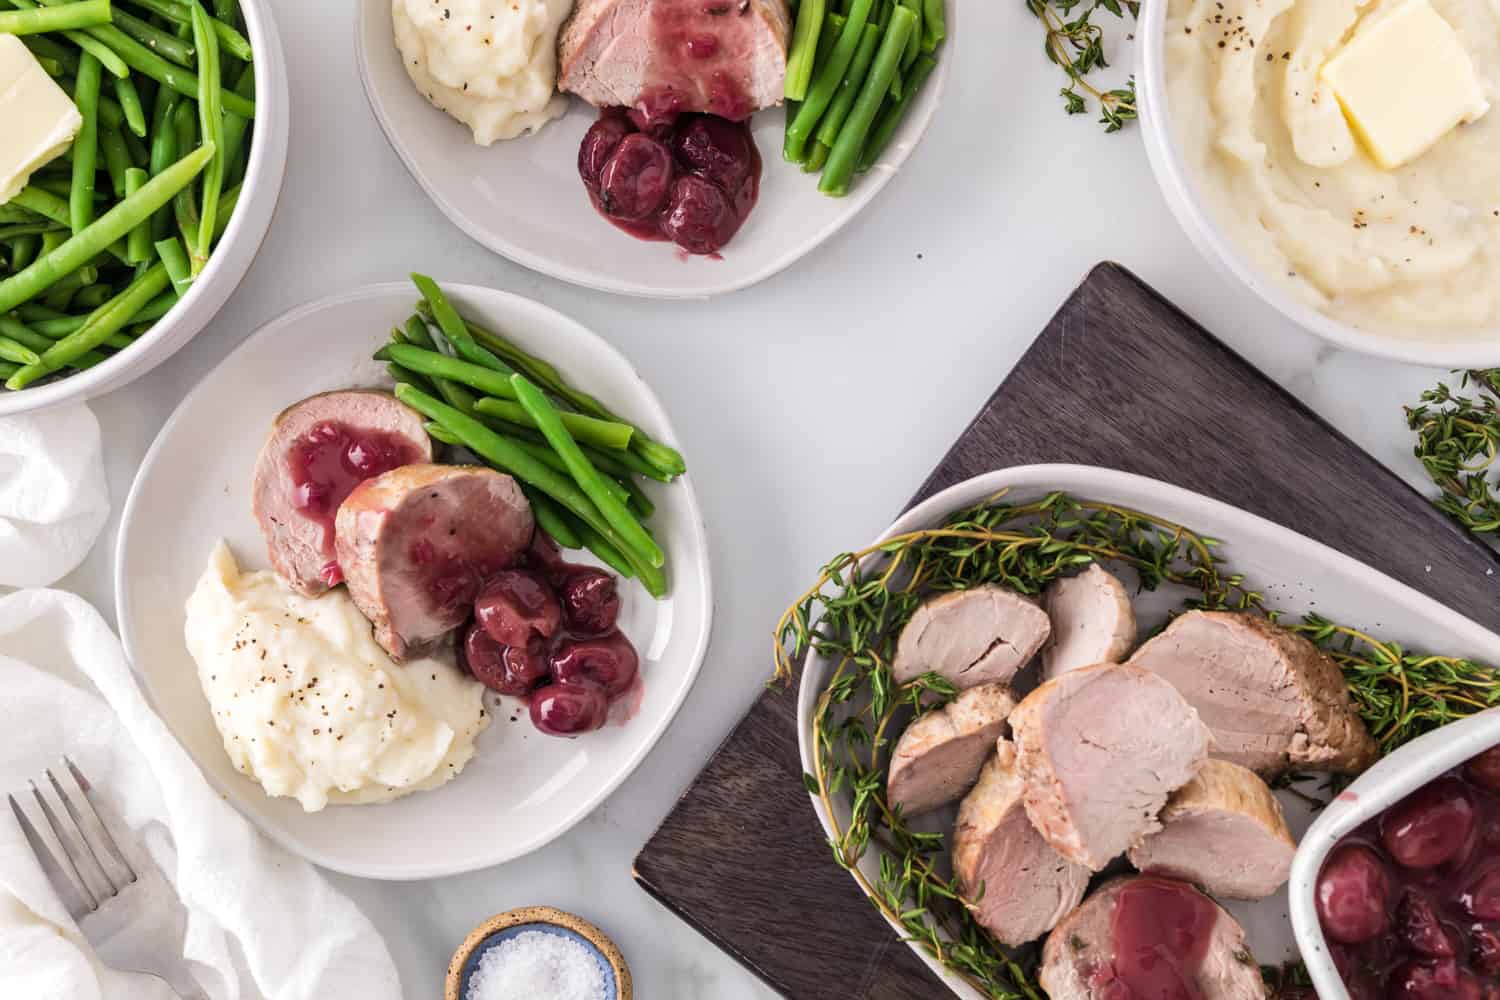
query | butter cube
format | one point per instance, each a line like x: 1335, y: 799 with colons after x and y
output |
x: 38, y: 121
x: 1405, y: 81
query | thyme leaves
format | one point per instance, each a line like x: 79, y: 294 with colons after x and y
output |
x: 1074, y: 41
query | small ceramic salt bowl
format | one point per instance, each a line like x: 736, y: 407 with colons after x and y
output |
x: 1392, y: 779
x: 546, y: 920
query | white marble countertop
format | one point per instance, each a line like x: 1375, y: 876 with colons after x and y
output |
x: 802, y: 402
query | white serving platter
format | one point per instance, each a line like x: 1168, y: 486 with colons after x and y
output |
x: 523, y: 199
x: 524, y: 788
x: 1296, y: 574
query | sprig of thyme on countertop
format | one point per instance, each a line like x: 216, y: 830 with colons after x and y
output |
x: 1076, y: 44
x: 1458, y: 440
x: 854, y: 612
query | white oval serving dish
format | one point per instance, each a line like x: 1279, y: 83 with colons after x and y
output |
x: 523, y: 788
x: 231, y: 259
x: 1297, y: 573
x: 522, y: 198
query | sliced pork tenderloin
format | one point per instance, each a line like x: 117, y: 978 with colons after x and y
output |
x: 662, y: 57
x: 318, y: 450
x: 1273, y: 701
x: 971, y: 637
x: 1023, y: 886
x: 417, y: 543
x: 1223, y: 831
x: 1100, y: 750
x: 938, y: 757
x: 1149, y: 936
x: 1092, y: 621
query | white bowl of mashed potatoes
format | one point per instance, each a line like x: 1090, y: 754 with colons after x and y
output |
x: 1277, y: 176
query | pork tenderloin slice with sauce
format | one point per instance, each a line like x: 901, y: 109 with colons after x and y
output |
x: 1092, y: 621
x: 1100, y: 750
x: 1272, y: 699
x: 298, y: 489
x: 971, y: 637
x: 1023, y: 886
x: 938, y: 757
x: 1085, y: 959
x: 417, y: 543
x: 1224, y: 831
x: 723, y: 57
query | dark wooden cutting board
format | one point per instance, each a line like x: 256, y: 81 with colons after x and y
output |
x: 1119, y: 378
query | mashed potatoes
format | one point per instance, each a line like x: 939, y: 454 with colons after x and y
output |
x: 1269, y: 149
x: 492, y: 64
x: 309, y: 706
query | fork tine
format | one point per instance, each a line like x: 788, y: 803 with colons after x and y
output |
x: 54, y: 860
x: 72, y: 785
x: 74, y: 847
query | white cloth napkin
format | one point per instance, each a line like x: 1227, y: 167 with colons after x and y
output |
x: 261, y: 923
x: 53, y: 498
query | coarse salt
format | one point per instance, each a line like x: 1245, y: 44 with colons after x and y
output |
x: 535, y: 965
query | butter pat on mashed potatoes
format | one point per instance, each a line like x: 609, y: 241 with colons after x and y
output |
x: 492, y: 64
x: 309, y: 706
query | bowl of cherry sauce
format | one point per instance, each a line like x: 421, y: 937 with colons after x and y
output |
x: 545, y: 631
x: 1395, y: 890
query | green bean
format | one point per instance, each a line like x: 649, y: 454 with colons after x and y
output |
x: 107, y: 320
x: 76, y: 14
x: 549, y: 517
x: 599, y: 433
x: 607, y: 553
x: 211, y: 127
x: 235, y: 128
x: 232, y: 41
x: 81, y: 278
x: 11, y: 214
x: 50, y: 206
x: 804, y: 48
x: 505, y: 456
x: 7, y: 369
x: 817, y: 158
x: 612, y: 463
x: 155, y: 39
x: 130, y: 104
x: 666, y: 463
x: 86, y: 145
x: 92, y: 297
x: 417, y: 333
x: 543, y: 453
x: 185, y: 205
x: 639, y: 501
x: 851, y: 140
x: 116, y: 158
x: 113, y: 225
x: 141, y: 59
x: 50, y: 66
x: 23, y: 251
x: 12, y: 350
x: 829, y: 75
x: 82, y: 39
x: 934, y: 24
x: 32, y: 311
x: 42, y: 46
x: 914, y: 42
x: 453, y: 327
x: 163, y: 151
x: 400, y: 374
x: 110, y: 112
x: 26, y: 229
x: 59, y: 325
x: 227, y: 11
x: 18, y: 331
x: 885, y: 128
x: 838, y: 111
x: 549, y: 421
x: 175, y: 259
x: 138, y: 243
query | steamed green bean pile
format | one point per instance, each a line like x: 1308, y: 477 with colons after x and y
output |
x: 853, y: 70
x: 105, y: 239
x: 579, y: 463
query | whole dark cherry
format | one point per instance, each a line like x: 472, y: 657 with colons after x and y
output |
x: 1353, y: 894
x: 515, y: 605
x: 717, y: 149
x: 567, y: 709
x: 1430, y: 826
x: 1481, y: 897
x: 700, y: 217
x: 509, y: 670
x: 1484, y: 770
x: 1439, y: 980
x: 599, y: 144
x: 635, y: 182
x: 590, y: 601
x: 608, y: 662
x: 1418, y: 925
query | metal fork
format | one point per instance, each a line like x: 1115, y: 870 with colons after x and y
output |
x: 126, y: 910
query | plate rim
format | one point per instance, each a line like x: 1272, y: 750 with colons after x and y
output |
x: 917, y: 126
x: 437, y: 868
x: 1047, y: 476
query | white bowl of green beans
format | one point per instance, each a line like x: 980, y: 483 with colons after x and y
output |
x: 117, y: 253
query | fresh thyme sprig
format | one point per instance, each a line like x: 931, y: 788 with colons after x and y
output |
x: 1458, y: 438
x: 856, y: 609
x: 1076, y: 44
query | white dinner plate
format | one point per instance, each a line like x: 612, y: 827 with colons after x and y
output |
x: 522, y: 198
x: 1295, y: 573
x: 523, y: 788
